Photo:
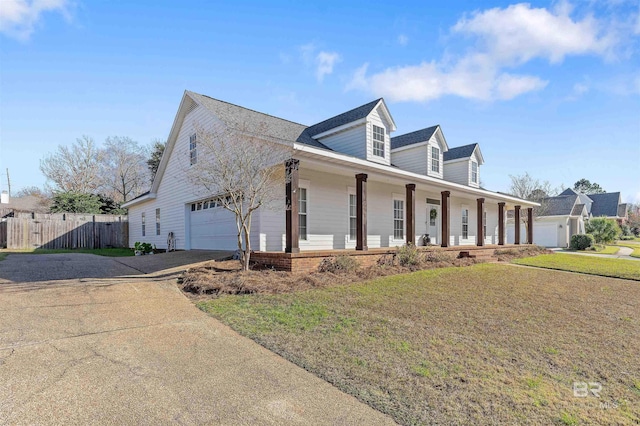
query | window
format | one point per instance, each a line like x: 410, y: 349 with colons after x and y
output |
x: 352, y: 217
x: 302, y: 213
x: 435, y: 159
x: 144, y: 225
x: 433, y: 213
x: 474, y: 172
x: 484, y: 223
x: 193, y: 149
x: 193, y: 207
x: 157, y: 221
x: 378, y: 141
x: 398, y: 219
x: 465, y: 224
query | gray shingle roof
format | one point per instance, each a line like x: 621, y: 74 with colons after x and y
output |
x: 418, y: 136
x: 464, y: 151
x: 341, y: 119
x: 252, y: 121
x: 559, y: 206
x: 577, y: 210
x: 605, y: 204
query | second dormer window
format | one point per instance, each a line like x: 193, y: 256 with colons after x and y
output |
x: 378, y: 141
x: 435, y: 159
x: 474, y: 172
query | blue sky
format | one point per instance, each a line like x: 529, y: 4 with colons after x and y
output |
x: 552, y: 89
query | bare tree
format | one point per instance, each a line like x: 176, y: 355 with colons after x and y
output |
x: 124, y: 169
x: 243, y: 170
x: 74, y: 169
x: 528, y: 188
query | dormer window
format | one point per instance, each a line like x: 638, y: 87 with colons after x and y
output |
x: 378, y: 141
x: 435, y: 159
x: 474, y: 172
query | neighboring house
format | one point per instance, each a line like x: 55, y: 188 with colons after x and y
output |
x: 413, y: 185
x: 566, y: 215
x: 26, y: 204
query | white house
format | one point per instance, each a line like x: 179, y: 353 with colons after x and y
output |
x: 567, y: 214
x: 352, y: 185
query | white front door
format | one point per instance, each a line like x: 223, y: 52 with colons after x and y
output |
x: 432, y: 222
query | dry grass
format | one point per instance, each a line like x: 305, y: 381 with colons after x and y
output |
x: 488, y: 344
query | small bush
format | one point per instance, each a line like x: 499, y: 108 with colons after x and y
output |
x: 387, y: 260
x: 408, y: 255
x: 603, y: 230
x: 582, y: 241
x: 625, y: 231
x: 439, y: 256
x: 627, y: 237
x: 339, y: 264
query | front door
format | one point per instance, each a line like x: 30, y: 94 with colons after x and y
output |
x: 433, y: 218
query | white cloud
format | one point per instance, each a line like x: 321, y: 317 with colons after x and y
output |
x: 325, y: 62
x: 504, y: 39
x: 403, y: 40
x: 18, y: 18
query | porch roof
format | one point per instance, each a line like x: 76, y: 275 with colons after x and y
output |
x: 357, y: 165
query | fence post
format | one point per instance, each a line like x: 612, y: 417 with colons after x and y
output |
x: 94, y: 231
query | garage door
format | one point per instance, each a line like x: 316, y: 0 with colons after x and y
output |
x: 545, y: 234
x: 212, y: 227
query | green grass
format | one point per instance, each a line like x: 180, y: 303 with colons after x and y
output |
x: 608, y: 250
x: 2, y: 256
x: 490, y: 343
x: 109, y: 252
x: 618, y: 268
x: 635, y: 247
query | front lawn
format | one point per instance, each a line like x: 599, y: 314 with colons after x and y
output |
x: 618, y: 268
x: 486, y: 344
x: 110, y: 252
x: 607, y: 250
x: 634, y: 246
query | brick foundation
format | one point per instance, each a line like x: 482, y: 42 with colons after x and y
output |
x: 308, y: 261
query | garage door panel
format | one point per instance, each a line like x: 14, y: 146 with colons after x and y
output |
x: 545, y: 234
x: 213, y: 229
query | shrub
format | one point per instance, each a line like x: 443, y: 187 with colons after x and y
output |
x: 143, y: 247
x: 408, y: 255
x: 387, y: 260
x: 625, y: 231
x: 603, y: 230
x: 581, y: 241
x: 627, y: 237
x: 339, y: 264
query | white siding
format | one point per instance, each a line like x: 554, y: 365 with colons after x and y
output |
x: 457, y: 171
x: 351, y: 142
x: 434, y: 143
x: 411, y: 159
x: 376, y: 118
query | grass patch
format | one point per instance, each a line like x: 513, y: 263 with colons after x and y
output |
x: 2, y: 255
x: 634, y: 246
x: 618, y: 268
x: 109, y: 252
x: 486, y: 344
x: 607, y: 250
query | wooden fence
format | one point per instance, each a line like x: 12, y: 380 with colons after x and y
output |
x: 63, y: 231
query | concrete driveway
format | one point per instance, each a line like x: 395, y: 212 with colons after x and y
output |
x: 90, y: 347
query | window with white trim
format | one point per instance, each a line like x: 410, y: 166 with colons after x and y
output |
x: 474, y: 172
x: 302, y: 213
x: 378, y: 141
x: 353, y: 221
x: 144, y: 225
x: 465, y: 224
x: 157, y: 221
x: 484, y: 223
x: 193, y: 149
x: 435, y: 159
x: 398, y: 219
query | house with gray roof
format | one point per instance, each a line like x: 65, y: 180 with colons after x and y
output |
x: 565, y: 215
x: 352, y: 184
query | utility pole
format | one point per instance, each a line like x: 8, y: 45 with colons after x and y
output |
x: 8, y: 183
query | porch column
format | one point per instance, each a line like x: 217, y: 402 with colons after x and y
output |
x: 292, y: 199
x: 480, y: 233
x: 361, y: 212
x: 501, y: 224
x: 445, y: 218
x: 530, y: 225
x: 411, y: 213
x: 516, y: 217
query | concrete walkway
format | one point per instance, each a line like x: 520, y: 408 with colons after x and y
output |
x: 80, y: 348
x: 623, y: 253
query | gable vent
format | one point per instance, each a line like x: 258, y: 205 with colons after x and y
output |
x: 191, y: 106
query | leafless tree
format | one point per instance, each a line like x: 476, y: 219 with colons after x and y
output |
x: 74, y: 169
x: 243, y: 170
x: 124, y: 173
x: 528, y: 188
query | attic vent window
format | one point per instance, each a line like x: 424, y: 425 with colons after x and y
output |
x: 378, y: 141
x: 191, y: 107
x: 193, y: 149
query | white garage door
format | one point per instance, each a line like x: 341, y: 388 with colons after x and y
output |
x: 212, y: 228
x: 545, y: 234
